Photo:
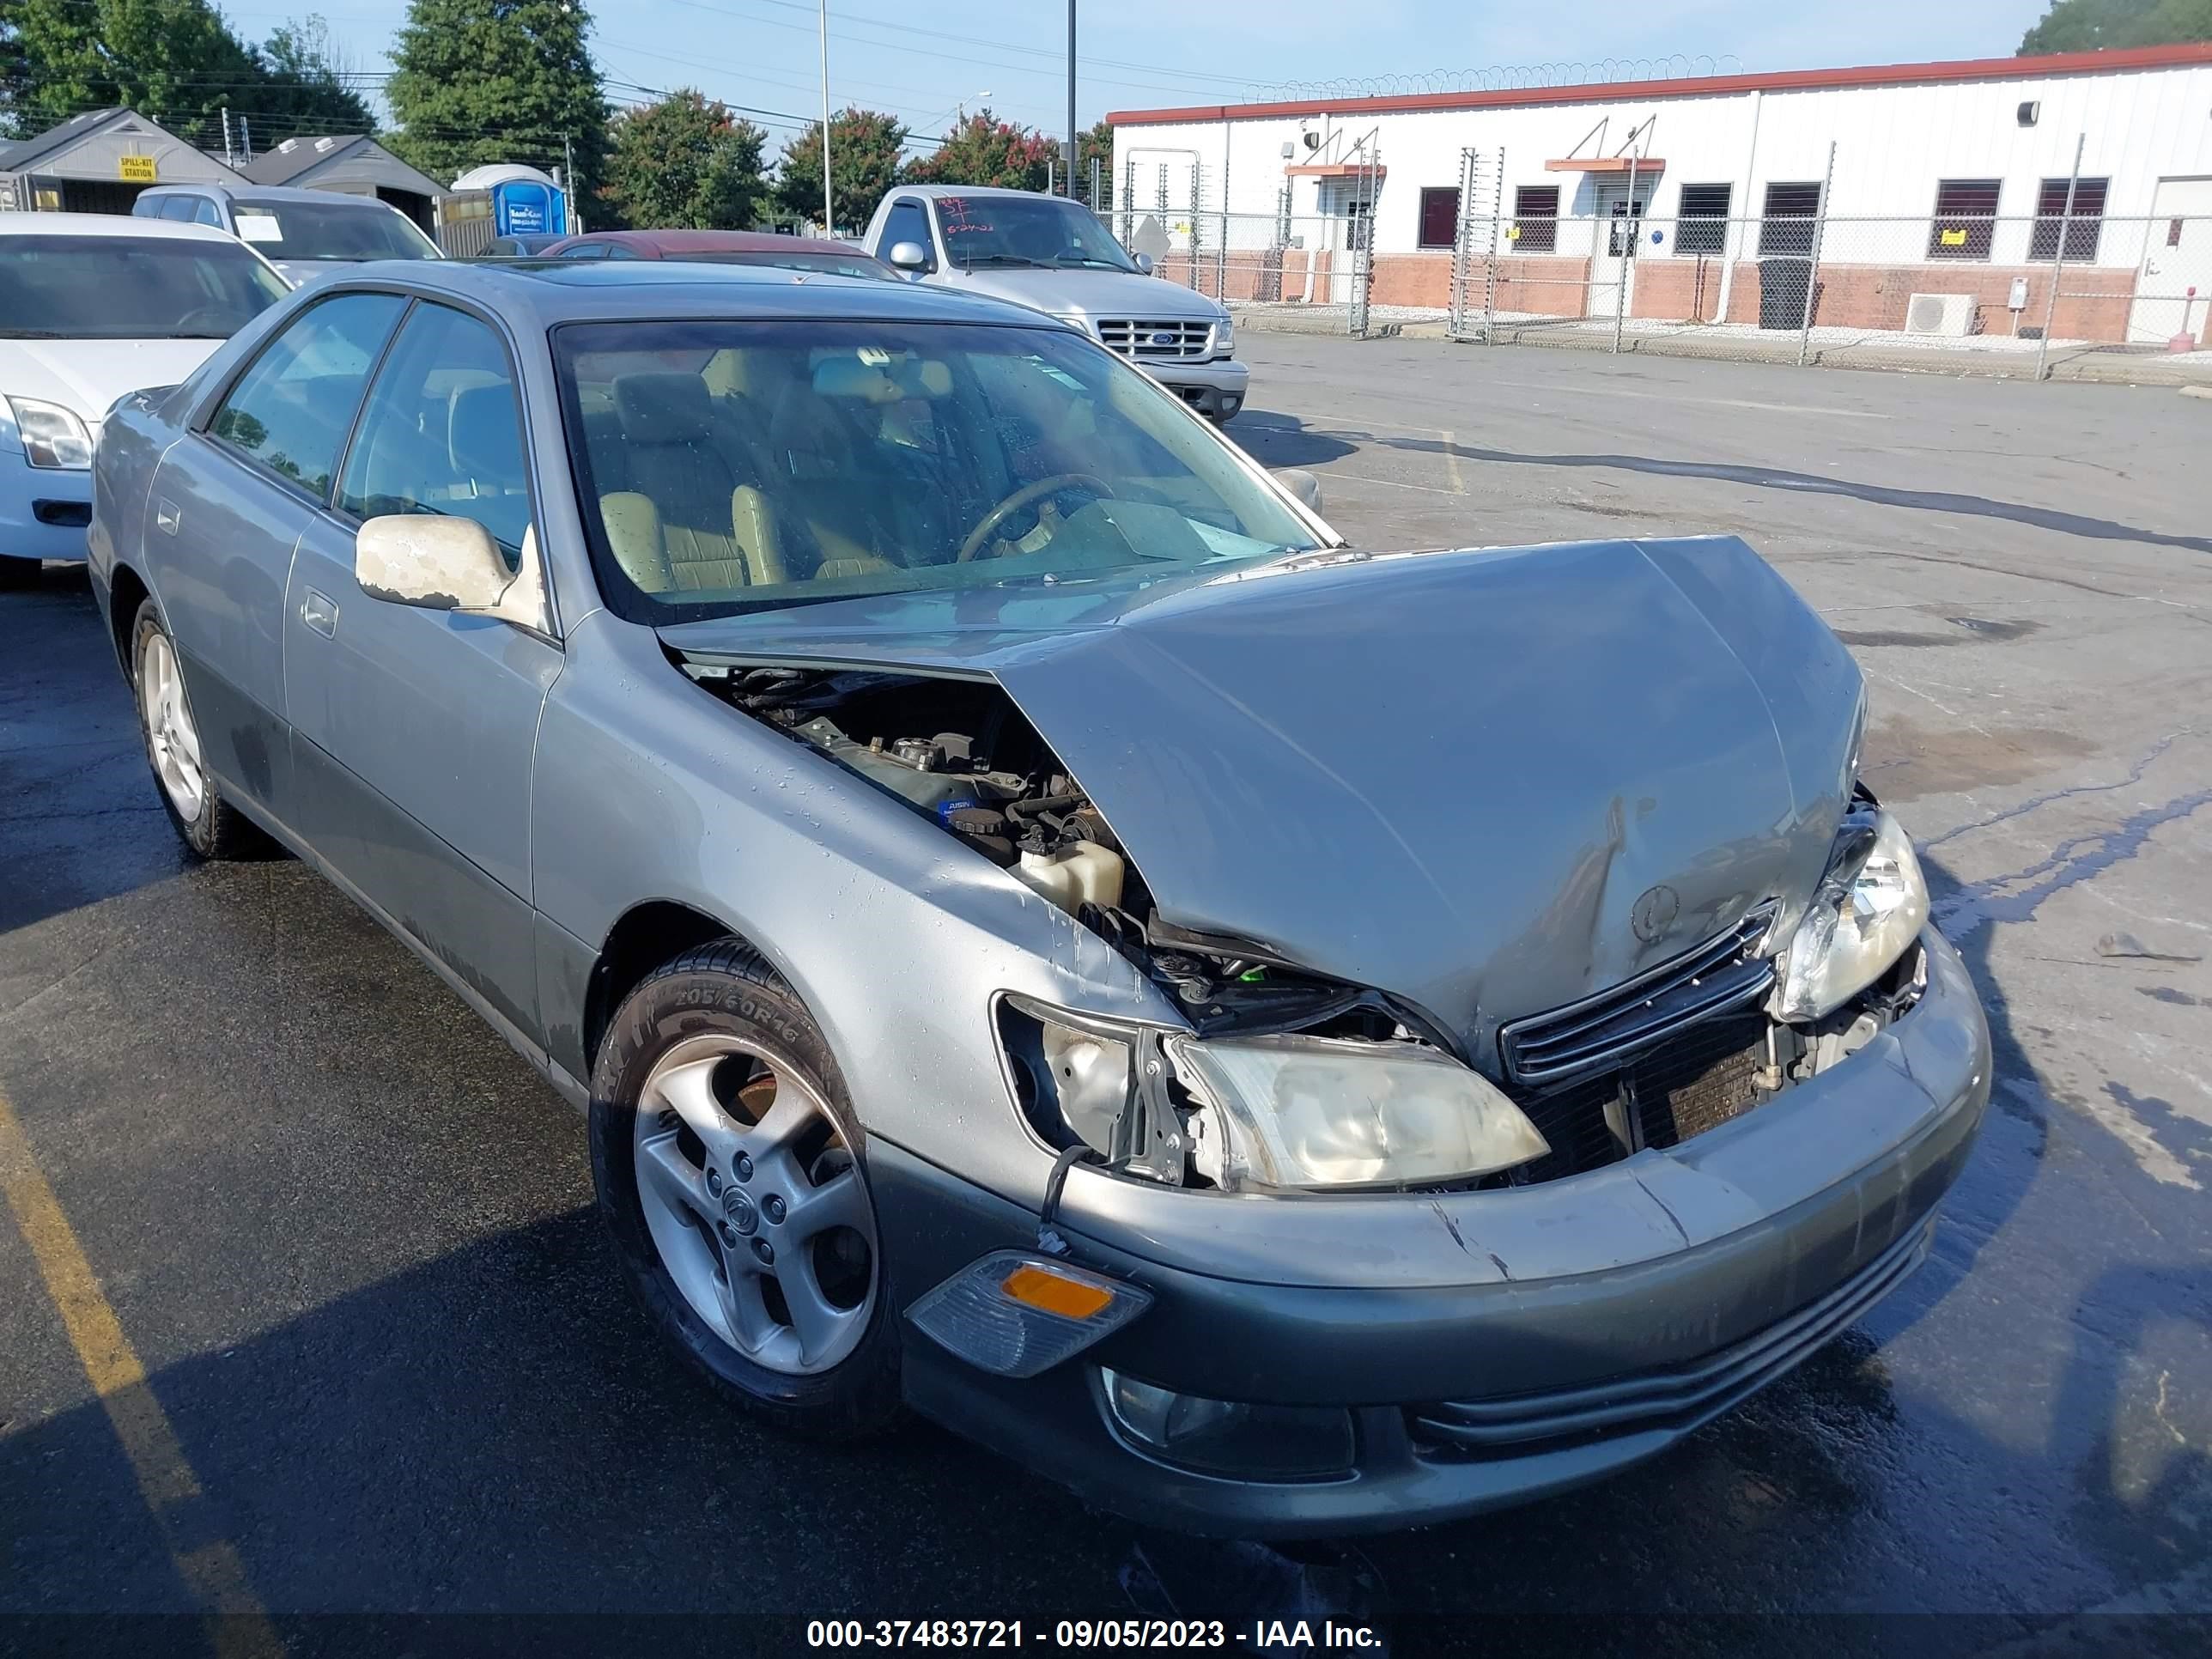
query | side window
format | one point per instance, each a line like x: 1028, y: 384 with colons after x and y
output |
x: 148, y: 207
x: 290, y: 409
x: 908, y: 222
x: 204, y: 212
x: 176, y: 207
x: 617, y: 250
x: 442, y: 431
x: 585, y: 251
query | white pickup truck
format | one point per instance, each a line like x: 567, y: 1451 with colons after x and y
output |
x: 1053, y: 255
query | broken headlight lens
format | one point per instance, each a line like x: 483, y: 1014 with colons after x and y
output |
x: 1292, y: 1113
x: 1870, y: 907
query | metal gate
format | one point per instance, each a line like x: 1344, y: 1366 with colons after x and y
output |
x: 1475, y: 246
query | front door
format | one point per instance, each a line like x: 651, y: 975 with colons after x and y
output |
x: 2177, y: 258
x: 413, y: 730
x: 1612, y: 259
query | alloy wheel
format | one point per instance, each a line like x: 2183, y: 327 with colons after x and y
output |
x: 172, y: 742
x: 756, y: 1205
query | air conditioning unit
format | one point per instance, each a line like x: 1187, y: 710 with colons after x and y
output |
x: 1939, y: 313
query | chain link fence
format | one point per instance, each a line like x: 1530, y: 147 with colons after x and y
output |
x: 1792, y: 284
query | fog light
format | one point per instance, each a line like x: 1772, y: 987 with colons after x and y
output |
x: 1229, y: 1437
x: 1015, y: 1314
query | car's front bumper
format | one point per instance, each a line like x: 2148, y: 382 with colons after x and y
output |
x: 43, y: 510
x: 1561, y: 1361
x: 1215, y: 389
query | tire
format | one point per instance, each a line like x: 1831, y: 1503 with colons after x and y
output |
x: 209, y: 826
x: 699, y: 1004
x: 18, y: 572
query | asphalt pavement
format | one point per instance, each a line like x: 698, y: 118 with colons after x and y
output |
x: 346, y: 1235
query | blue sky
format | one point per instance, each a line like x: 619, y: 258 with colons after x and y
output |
x: 924, y: 61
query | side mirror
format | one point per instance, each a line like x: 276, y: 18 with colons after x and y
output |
x: 1144, y: 265
x: 1301, y: 483
x: 909, y: 256
x: 445, y: 564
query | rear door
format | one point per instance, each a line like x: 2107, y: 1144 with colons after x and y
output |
x: 227, y: 507
x: 413, y: 730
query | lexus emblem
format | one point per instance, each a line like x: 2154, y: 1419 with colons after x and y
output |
x: 1655, y: 912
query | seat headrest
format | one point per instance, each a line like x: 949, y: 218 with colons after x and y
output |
x: 482, y: 439
x: 674, y: 408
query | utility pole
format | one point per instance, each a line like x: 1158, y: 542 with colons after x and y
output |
x: 1071, y: 99
x: 828, y: 207
x: 569, y: 226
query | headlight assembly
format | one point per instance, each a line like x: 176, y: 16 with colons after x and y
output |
x: 52, y: 436
x: 1259, y: 1114
x: 1303, y: 1112
x: 1870, y: 907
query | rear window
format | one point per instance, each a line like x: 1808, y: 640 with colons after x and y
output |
x: 129, y: 287
x: 337, y: 230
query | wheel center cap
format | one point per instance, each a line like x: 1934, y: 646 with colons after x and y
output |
x: 739, y: 1209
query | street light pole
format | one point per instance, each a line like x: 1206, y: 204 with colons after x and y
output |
x: 829, y: 208
x: 1071, y: 99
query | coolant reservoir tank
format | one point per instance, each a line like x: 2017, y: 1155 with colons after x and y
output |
x: 1079, y: 873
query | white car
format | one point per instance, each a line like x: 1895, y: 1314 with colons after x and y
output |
x: 94, y: 306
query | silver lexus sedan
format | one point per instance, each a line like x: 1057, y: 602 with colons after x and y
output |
x: 1281, y: 1038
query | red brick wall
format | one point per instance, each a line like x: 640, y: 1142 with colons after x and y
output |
x: 2093, y: 301
x: 1677, y: 290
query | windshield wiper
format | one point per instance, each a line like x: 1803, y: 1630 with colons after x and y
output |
x: 1086, y: 260
x: 983, y: 259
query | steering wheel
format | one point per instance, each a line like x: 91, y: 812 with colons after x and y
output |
x: 207, y: 317
x: 1023, y: 497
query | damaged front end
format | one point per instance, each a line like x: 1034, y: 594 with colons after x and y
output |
x: 1281, y: 1078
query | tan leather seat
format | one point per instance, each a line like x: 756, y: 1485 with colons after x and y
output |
x: 689, y: 519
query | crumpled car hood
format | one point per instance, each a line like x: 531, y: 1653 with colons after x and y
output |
x: 1451, y: 776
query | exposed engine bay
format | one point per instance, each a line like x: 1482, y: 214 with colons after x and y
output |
x: 962, y: 753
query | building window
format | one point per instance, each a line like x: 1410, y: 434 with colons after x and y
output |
x: 1786, y: 227
x: 1966, y: 219
x: 1440, y: 217
x: 2085, y: 225
x: 1535, y: 219
x: 1701, y: 223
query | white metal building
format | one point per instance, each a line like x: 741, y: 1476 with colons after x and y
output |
x: 1946, y: 176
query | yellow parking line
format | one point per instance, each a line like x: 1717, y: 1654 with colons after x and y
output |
x: 211, y: 1570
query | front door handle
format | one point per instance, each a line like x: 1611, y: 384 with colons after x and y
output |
x: 320, y: 612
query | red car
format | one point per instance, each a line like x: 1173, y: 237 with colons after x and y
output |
x: 722, y: 247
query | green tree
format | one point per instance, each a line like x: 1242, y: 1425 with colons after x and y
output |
x: 481, y: 80
x: 305, y: 88
x: 864, y: 160
x: 176, y: 62
x: 1095, y: 143
x: 984, y: 150
x: 683, y: 163
x: 2098, y: 25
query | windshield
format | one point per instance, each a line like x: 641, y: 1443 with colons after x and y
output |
x: 987, y: 232
x: 731, y: 466
x: 828, y: 265
x: 340, y: 230
x: 130, y: 288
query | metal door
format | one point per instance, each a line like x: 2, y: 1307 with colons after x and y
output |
x: 414, y: 729
x: 1613, y: 252
x: 2177, y: 258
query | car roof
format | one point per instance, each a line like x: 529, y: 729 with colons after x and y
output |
x: 972, y: 192
x: 251, y: 193
x: 109, y: 224
x: 540, y: 293
x: 716, y: 241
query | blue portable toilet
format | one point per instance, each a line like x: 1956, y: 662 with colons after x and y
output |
x: 524, y: 201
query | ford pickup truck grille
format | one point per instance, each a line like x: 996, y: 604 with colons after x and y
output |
x: 1135, y: 338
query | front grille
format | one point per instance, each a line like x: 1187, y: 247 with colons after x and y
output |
x: 1675, y: 1398
x: 1602, y: 1032
x: 1700, y: 1077
x: 1134, y: 337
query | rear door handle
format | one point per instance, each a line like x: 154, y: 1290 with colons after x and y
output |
x: 166, y: 515
x: 320, y: 613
